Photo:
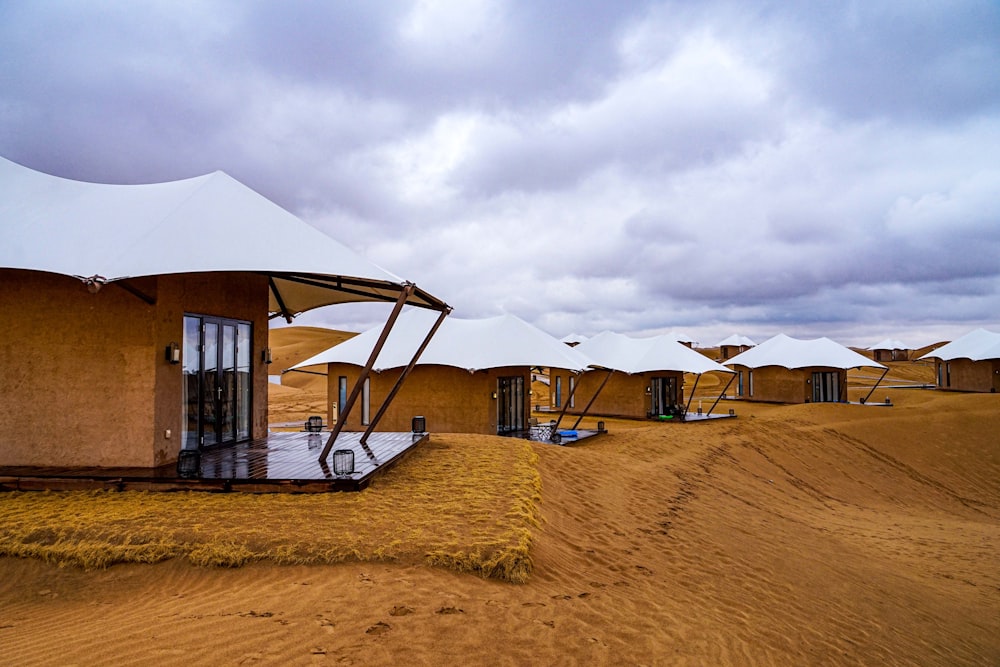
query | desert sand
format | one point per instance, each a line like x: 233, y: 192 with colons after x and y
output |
x: 791, y: 535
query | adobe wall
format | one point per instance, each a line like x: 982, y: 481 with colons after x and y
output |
x: 968, y: 375
x: 452, y: 400
x: 84, y: 378
x: 623, y: 396
x: 775, y: 384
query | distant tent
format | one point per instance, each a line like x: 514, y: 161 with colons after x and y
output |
x: 643, y: 377
x: 790, y: 370
x: 969, y: 363
x: 681, y: 337
x: 734, y: 345
x: 890, y: 349
x: 474, y: 376
x: 573, y: 339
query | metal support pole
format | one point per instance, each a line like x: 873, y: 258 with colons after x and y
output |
x: 404, y: 294
x: 874, y: 386
x: 594, y: 397
x: 697, y: 378
x: 732, y: 377
x: 402, y: 377
x: 569, y: 400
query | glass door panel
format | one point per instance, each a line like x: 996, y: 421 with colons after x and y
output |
x: 510, y: 404
x: 243, y: 381
x: 210, y: 381
x: 227, y: 382
x: 191, y: 384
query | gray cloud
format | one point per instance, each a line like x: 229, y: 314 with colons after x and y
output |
x: 714, y: 167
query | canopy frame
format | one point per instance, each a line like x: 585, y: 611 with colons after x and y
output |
x: 402, y: 376
x: 404, y: 294
x: 594, y: 397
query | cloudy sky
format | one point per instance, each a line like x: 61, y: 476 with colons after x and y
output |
x: 812, y: 168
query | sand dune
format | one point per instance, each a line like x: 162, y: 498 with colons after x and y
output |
x: 809, y: 534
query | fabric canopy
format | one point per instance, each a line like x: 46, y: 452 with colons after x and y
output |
x: 736, y: 340
x: 104, y: 233
x: 468, y: 344
x: 977, y: 345
x: 889, y: 344
x: 639, y: 355
x: 792, y: 353
x: 573, y: 339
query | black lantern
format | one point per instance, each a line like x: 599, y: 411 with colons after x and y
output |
x: 343, y: 462
x: 189, y: 464
x: 419, y: 424
x: 600, y: 427
x: 314, y: 424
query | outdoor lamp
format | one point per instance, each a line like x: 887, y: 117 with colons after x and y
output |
x: 173, y: 353
x: 494, y: 394
x: 600, y: 427
x: 343, y: 462
x: 418, y: 424
x: 265, y: 355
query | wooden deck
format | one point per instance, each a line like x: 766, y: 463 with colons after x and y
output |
x: 283, y: 462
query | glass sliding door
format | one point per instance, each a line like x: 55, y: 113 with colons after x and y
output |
x: 510, y: 404
x: 217, y: 381
x: 826, y: 387
x: 664, y: 396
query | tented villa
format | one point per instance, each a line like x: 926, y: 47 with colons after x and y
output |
x: 637, y: 378
x: 890, y: 349
x: 735, y: 344
x: 136, y: 316
x: 790, y: 370
x: 474, y: 376
x: 969, y: 363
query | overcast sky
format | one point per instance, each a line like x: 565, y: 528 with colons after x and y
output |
x: 812, y: 168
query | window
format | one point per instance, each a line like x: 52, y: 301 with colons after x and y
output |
x: 366, y: 403
x: 558, y: 397
x: 341, y: 395
x: 572, y: 392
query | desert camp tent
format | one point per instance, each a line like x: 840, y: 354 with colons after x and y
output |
x: 647, y: 378
x: 890, y: 349
x: 789, y: 370
x: 138, y: 314
x: 681, y: 337
x: 969, y: 363
x: 733, y: 345
x: 473, y: 377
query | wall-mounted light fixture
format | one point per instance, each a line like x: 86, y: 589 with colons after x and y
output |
x: 494, y: 395
x: 265, y: 355
x: 173, y: 353
x: 649, y: 390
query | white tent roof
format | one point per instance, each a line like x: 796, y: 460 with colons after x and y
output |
x: 792, y: 353
x: 505, y: 340
x: 639, y: 355
x: 207, y: 223
x: 736, y: 340
x: 572, y: 338
x: 889, y: 344
x: 976, y: 345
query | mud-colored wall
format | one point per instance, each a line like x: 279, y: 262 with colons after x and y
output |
x: 968, y: 375
x: 452, y: 400
x: 775, y: 384
x: 623, y: 396
x: 83, y: 377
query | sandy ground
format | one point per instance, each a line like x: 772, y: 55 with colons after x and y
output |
x: 792, y: 535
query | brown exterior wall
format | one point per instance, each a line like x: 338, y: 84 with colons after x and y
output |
x: 452, y: 400
x: 623, y: 396
x: 968, y: 375
x: 775, y: 384
x: 83, y: 377
x: 890, y: 355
